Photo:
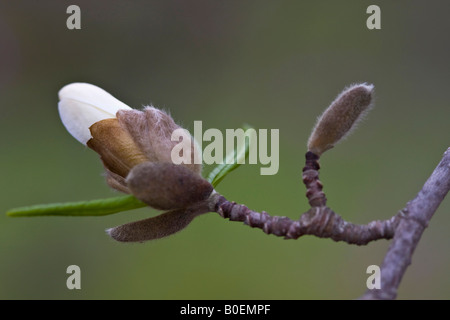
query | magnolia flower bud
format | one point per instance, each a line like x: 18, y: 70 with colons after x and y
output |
x: 123, y: 137
x: 340, y: 117
x: 135, y: 148
x: 167, y: 186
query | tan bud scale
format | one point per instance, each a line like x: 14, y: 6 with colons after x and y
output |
x: 115, y: 146
x: 167, y: 186
x: 340, y: 117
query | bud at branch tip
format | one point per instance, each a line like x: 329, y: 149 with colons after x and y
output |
x: 341, y: 117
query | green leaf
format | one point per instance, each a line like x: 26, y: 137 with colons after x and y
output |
x: 231, y: 161
x: 99, y: 207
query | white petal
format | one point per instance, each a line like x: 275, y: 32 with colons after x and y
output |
x: 93, y: 95
x: 77, y: 117
x: 82, y: 104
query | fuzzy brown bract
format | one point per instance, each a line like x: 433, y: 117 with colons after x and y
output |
x: 167, y: 186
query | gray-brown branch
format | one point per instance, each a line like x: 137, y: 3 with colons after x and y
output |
x: 406, y: 227
x: 417, y: 215
x: 318, y: 221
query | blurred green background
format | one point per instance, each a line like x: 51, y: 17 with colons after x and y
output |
x: 273, y: 64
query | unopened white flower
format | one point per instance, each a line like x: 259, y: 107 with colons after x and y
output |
x: 83, y: 104
x: 136, y: 150
x: 123, y: 137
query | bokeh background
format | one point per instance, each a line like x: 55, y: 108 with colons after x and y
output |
x: 273, y: 64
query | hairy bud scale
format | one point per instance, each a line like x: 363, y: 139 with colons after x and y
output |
x: 340, y: 117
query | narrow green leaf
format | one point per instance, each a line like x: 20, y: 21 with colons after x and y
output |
x: 223, y: 169
x: 98, y: 207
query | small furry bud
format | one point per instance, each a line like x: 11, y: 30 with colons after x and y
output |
x: 340, y: 117
x: 167, y: 186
